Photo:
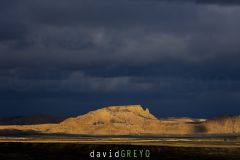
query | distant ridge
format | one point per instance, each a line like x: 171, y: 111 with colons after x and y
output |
x: 132, y: 120
x: 30, y: 120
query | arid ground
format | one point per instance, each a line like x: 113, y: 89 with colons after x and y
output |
x: 76, y: 148
x: 122, y: 128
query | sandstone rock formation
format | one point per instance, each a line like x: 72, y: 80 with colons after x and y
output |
x: 132, y: 120
x: 111, y: 120
x: 226, y: 124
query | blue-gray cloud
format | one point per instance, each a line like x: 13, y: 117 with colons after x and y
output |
x: 222, y: 2
x: 177, y: 54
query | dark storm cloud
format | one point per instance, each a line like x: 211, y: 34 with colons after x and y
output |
x: 90, y: 53
x: 11, y: 27
x: 227, y: 2
x: 222, y: 2
x: 173, y: 68
x: 127, y: 25
x: 5, y: 4
x: 12, y: 30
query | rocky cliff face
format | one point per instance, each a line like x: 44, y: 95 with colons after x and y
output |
x: 113, y: 120
x: 226, y: 124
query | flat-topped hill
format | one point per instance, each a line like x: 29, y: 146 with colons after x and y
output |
x: 132, y: 119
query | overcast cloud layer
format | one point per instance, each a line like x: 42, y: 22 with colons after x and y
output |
x: 178, y: 58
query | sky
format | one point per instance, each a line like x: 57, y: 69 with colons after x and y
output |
x: 179, y: 58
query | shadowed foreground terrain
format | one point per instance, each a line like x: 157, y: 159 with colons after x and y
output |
x: 163, y: 147
x: 76, y: 151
